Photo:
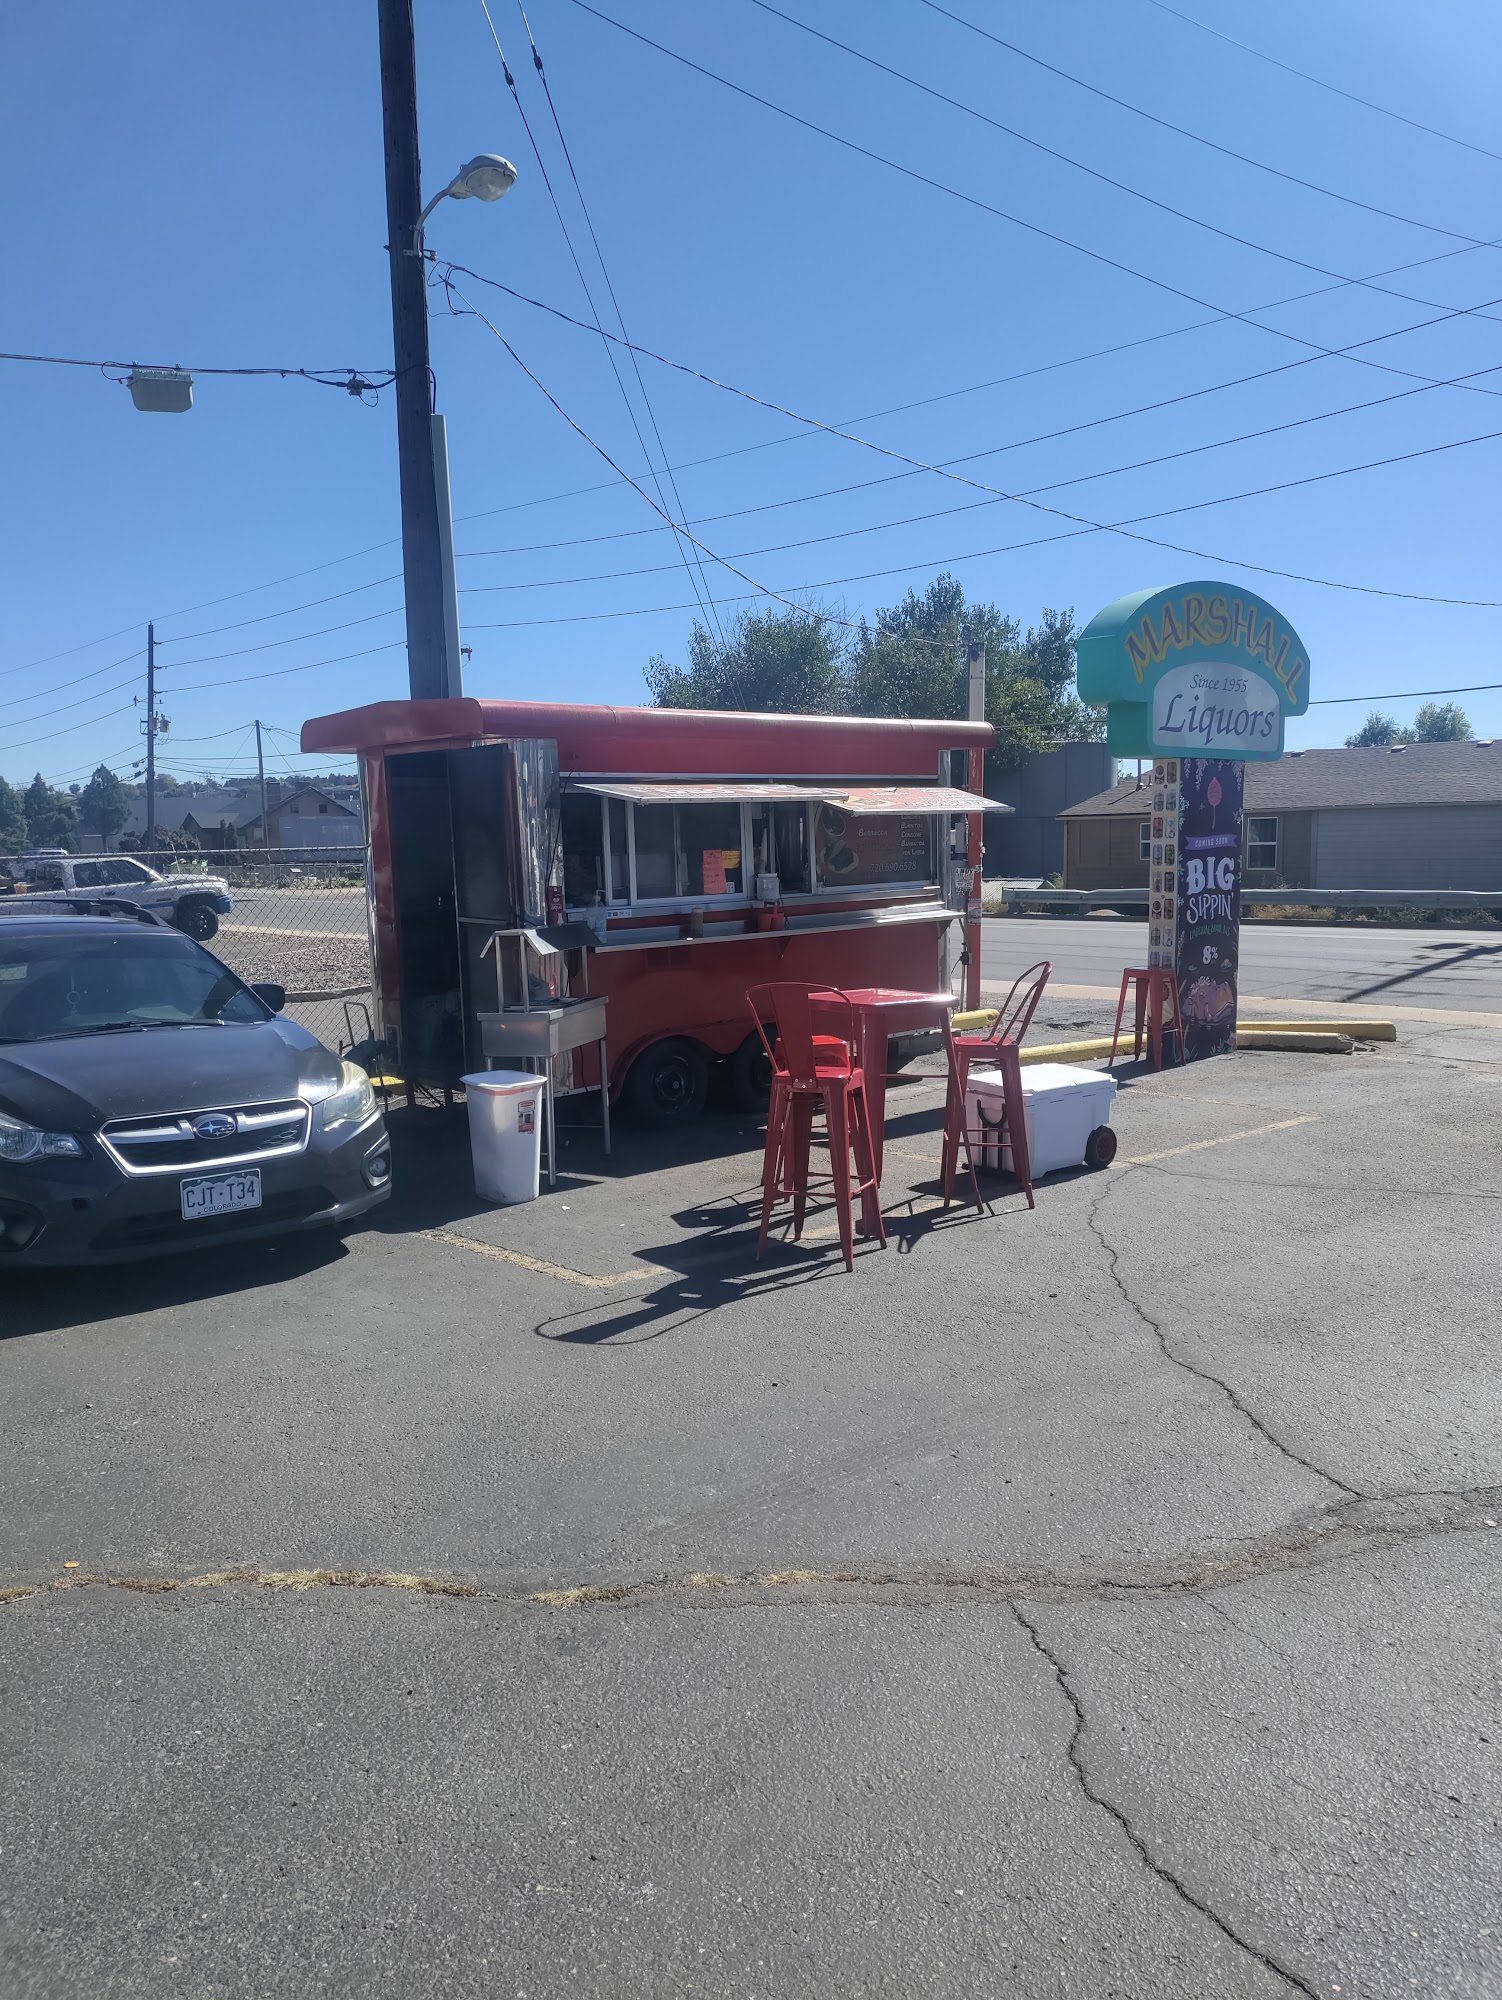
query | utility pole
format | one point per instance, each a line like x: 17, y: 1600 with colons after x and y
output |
x: 975, y: 656
x: 150, y: 731
x: 261, y: 770
x: 432, y: 662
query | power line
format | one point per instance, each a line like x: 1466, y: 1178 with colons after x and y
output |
x: 1109, y: 180
x: 293, y: 639
x: 1319, y: 83
x: 883, y: 527
x: 972, y: 200
x: 991, y: 451
x: 620, y: 317
x: 699, y: 585
x: 1167, y: 124
x: 964, y: 479
x: 355, y: 381
x: 311, y: 604
x: 1410, y: 694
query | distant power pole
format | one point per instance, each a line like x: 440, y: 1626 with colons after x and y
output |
x: 261, y: 770
x: 432, y: 662
x: 150, y: 731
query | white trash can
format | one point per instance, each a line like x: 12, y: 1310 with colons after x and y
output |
x: 505, y: 1132
x: 1066, y: 1109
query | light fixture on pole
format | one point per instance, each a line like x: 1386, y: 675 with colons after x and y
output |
x: 484, y: 178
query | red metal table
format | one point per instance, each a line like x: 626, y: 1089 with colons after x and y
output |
x: 882, y: 1011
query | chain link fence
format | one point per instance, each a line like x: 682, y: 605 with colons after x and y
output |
x: 297, y: 916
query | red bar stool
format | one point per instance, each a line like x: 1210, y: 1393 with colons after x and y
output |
x: 812, y: 1072
x: 999, y: 1046
x: 1155, y: 985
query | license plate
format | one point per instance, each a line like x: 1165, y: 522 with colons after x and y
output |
x: 221, y: 1194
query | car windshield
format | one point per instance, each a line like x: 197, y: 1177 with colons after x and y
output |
x: 89, y: 982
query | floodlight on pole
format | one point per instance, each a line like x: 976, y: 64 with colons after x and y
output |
x: 484, y: 178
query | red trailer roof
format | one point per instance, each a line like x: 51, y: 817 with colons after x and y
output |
x: 706, y: 743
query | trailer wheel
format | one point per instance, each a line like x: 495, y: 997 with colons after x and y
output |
x: 196, y: 918
x: 1100, y: 1147
x: 751, y: 1077
x: 668, y: 1084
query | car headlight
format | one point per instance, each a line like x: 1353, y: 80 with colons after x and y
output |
x: 26, y: 1142
x: 351, y: 1104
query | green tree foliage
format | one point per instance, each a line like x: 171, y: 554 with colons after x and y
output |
x: 51, y: 816
x: 1440, y: 724
x: 909, y: 661
x: 1432, y: 724
x: 779, y: 661
x: 12, y: 820
x: 104, y: 804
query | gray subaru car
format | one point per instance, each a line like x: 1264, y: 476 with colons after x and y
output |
x: 152, y: 1101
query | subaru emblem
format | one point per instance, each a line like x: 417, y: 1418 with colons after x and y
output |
x: 217, y: 1125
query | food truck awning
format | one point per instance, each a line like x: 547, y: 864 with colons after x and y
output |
x: 862, y: 799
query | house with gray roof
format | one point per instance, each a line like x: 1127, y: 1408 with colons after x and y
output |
x: 1409, y: 816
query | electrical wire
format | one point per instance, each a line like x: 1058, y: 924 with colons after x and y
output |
x: 615, y: 303
x: 311, y: 604
x: 1109, y: 180
x: 789, y: 437
x: 991, y: 451
x: 1319, y: 83
x: 355, y: 381
x: 982, y: 486
x: 293, y: 639
x: 699, y: 585
x: 1084, y: 478
x: 1125, y: 104
x: 975, y: 201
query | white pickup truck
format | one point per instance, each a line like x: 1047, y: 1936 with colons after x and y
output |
x: 194, y: 903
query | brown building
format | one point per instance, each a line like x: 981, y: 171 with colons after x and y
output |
x: 1415, y: 816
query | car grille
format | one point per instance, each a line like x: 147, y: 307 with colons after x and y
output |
x: 168, y: 1145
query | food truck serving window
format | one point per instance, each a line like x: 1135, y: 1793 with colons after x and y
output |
x: 637, y: 842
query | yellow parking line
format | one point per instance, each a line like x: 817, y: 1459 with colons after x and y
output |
x: 1224, y: 1139
x: 643, y: 1273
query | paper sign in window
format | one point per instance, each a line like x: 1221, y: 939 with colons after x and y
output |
x: 714, y: 871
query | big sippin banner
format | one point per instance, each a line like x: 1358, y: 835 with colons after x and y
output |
x: 1208, y: 918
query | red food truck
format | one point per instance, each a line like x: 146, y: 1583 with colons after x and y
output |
x: 673, y: 858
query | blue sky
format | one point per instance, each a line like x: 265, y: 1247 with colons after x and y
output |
x: 203, y: 185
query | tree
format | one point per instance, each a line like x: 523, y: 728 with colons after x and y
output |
x: 51, y: 817
x: 780, y: 661
x: 911, y: 661
x: 1432, y: 724
x: 104, y: 804
x: 1376, y: 733
x: 12, y: 820
x: 1436, y: 724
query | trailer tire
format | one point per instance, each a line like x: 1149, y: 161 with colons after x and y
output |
x: 751, y: 1077
x: 668, y: 1084
x: 196, y: 918
x: 1100, y: 1147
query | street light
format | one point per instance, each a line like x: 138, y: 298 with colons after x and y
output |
x: 484, y: 178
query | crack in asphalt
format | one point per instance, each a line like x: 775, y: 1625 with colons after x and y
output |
x: 1155, y: 1328
x: 1075, y: 1756
x: 1344, y: 1532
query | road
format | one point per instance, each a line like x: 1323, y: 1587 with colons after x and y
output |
x: 1095, y: 1599
x: 1361, y: 966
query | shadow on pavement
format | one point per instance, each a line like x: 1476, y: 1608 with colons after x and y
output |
x: 49, y: 1301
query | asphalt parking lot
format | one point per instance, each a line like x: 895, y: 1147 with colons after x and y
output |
x: 1100, y: 1599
